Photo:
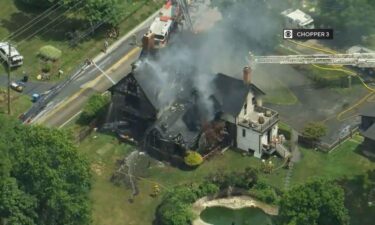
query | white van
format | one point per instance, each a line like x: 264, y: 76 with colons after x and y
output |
x: 15, y: 58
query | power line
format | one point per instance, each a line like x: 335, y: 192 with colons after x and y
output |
x: 56, y: 18
x: 33, y: 21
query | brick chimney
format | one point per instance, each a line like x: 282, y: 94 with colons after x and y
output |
x: 247, y: 75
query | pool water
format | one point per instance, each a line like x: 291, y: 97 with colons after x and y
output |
x: 226, y: 216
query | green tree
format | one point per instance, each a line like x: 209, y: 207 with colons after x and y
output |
x: 313, y: 131
x: 314, y: 203
x: 350, y: 19
x: 96, y: 11
x: 40, y: 3
x: 43, y: 178
x: 95, y: 107
x: 108, y: 11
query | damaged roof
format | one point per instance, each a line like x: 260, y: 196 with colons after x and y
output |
x: 177, y: 120
x: 368, y: 111
x: 370, y: 132
x: 231, y: 93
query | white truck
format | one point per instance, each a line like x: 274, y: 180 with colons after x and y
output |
x: 160, y: 29
x: 296, y: 19
x: 16, y: 59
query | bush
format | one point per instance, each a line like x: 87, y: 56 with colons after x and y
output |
x: 175, y: 208
x: 245, y: 179
x: 313, y: 131
x: 265, y: 193
x: 49, y: 52
x: 95, y: 107
x: 46, y: 67
x: 193, y: 159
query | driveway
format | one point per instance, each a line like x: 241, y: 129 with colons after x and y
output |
x: 322, y: 104
x: 31, y: 86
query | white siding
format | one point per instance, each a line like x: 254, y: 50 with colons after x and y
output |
x: 250, y: 106
x: 249, y: 142
x: 264, y: 139
x: 274, y: 132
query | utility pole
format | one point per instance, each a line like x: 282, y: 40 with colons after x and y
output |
x: 9, y: 61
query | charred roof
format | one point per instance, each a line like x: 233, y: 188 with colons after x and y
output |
x: 231, y: 93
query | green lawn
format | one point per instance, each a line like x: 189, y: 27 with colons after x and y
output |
x: 14, y: 15
x: 19, y: 103
x: 111, y: 205
x: 344, y: 161
x: 280, y: 94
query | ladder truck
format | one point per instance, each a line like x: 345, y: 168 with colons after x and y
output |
x: 170, y: 16
x: 364, y: 61
x: 361, y: 60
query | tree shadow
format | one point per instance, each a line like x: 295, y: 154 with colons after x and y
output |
x: 362, y: 149
x: 57, y: 26
x: 357, y: 194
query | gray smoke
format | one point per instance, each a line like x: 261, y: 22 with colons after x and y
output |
x: 191, y: 60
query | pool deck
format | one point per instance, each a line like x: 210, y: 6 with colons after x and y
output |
x: 236, y: 202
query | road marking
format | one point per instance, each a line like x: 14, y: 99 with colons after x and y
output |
x: 71, y: 118
x: 79, y: 112
x: 104, y: 61
x: 104, y: 73
x: 89, y: 84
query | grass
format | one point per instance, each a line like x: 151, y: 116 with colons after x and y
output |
x: 280, y: 94
x: 13, y: 15
x: 110, y: 202
x: 344, y: 161
x: 111, y: 205
x: 19, y: 103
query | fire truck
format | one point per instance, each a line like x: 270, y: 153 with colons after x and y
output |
x: 165, y: 23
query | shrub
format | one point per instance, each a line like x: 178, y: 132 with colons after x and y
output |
x: 313, y: 131
x: 265, y: 193
x: 95, y: 107
x: 245, y: 179
x: 193, y: 159
x: 49, y: 52
x: 46, y: 68
x: 175, y: 208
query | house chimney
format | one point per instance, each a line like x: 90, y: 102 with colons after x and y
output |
x: 247, y: 75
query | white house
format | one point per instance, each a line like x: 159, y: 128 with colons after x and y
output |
x: 296, y: 19
x: 254, y: 128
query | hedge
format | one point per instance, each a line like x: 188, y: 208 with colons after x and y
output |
x: 49, y: 52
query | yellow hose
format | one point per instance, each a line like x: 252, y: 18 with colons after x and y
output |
x: 314, y: 48
x: 349, y: 72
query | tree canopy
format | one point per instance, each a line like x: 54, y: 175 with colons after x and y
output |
x: 96, y: 11
x: 313, y: 131
x: 43, y: 179
x: 350, y: 19
x: 315, y: 203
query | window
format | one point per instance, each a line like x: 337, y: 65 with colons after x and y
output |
x: 245, y: 108
x: 253, y: 100
x: 243, y: 133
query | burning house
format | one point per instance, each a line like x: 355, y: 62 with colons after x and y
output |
x: 231, y: 113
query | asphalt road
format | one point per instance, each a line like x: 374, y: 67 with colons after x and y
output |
x: 31, y: 86
x: 116, y: 63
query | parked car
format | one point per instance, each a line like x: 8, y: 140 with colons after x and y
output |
x: 35, y: 97
x: 16, y: 59
x: 16, y: 86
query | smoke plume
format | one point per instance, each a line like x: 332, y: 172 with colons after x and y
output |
x: 191, y: 60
